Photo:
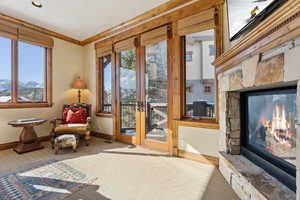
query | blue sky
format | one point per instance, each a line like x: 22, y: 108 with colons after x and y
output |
x: 107, y: 77
x: 31, y: 61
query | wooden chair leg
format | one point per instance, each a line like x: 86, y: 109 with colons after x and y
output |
x: 56, y: 150
x: 87, y: 138
x: 52, y: 143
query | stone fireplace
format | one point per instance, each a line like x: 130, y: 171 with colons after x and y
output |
x: 268, y: 131
x: 259, y: 108
x: 258, y: 102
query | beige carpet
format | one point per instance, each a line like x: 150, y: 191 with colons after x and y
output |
x: 133, y: 174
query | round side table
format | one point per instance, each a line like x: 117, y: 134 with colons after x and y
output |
x: 28, y: 138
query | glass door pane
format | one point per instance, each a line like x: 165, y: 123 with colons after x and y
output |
x: 156, y: 93
x: 128, y: 92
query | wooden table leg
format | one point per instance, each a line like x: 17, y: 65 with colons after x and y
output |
x: 28, y: 141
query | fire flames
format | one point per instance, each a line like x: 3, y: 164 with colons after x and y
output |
x: 279, y: 127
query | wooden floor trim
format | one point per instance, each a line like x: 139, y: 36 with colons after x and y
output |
x: 12, y: 144
x: 211, y: 160
x: 102, y: 135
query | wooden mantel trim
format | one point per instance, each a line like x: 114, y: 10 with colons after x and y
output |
x: 38, y: 28
x: 281, y: 26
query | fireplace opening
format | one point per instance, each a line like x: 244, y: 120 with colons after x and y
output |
x: 268, y: 127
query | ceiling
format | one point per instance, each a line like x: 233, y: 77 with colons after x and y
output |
x: 78, y: 19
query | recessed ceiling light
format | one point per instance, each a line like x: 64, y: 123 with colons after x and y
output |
x: 37, y: 4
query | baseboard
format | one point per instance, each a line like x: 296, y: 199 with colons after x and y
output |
x: 102, y: 135
x: 211, y: 160
x: 12, y: 144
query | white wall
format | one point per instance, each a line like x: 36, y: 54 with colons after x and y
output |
x: 100, y: 124
x: 67, y: 65
x: 198, y: 140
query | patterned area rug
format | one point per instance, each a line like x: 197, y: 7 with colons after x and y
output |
x: 48, y: 180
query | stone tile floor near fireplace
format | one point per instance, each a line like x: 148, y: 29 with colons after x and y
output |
x: 124, y: 173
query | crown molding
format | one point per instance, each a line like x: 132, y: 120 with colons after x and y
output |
x: 38, y: 28
x: 165, y: 7
x: 120, y: 28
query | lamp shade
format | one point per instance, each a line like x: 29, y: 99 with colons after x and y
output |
x: 79, y: 84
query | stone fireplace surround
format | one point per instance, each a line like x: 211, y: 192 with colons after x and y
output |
x: 277, y: 67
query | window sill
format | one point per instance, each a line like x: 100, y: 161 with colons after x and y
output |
x: 107, y: 115
x: 24, y: 105
x: 203, y: 123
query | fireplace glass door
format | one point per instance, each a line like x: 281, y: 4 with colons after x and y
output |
x: 271, y: 123
x: 270, y: 126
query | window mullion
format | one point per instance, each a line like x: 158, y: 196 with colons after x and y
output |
x: 14, y: 79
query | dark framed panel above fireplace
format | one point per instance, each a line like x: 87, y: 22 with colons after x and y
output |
x: 268, y: 131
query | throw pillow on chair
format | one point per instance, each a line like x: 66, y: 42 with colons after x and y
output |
x: 78, y: 116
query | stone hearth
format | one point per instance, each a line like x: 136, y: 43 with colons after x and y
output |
x: 278, y: 67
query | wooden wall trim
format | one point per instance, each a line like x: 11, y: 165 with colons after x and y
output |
x: 136, y: 20
x: 39, y: 29
x: 13, y: 144
x: 198, y: 124
x: 102, y: 135
x: 211, y: 160
x: 281, y: 26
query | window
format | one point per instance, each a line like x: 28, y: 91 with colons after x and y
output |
x: 106, y: 90
x: 5, y: 70
x: 31, y: 72
x: 200, y: 83
x: 26, y: 82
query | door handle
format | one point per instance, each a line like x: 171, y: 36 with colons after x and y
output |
x: 140, y: 106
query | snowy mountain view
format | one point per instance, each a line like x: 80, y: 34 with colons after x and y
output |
x: 28, y: 91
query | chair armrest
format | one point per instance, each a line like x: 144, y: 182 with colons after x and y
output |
x: 54, y: 123
x: 89, y: 121
x: 55, y: 120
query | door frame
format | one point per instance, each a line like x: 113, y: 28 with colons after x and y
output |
x: 139, y: 139
x: 162, y: 146
x: 117, y: 122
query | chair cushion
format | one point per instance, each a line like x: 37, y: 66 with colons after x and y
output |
x: 74, y: 115
x: 71, y: 128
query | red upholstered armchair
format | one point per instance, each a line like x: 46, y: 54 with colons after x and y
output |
x: 76, y: 119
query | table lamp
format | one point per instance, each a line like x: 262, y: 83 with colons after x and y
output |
x: 80, y: 85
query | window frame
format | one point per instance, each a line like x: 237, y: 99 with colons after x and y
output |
x: 15, y: 79
x: 184, y: 117
x: 100, y: 85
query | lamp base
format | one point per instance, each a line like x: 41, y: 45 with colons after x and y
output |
x: 79, y: 96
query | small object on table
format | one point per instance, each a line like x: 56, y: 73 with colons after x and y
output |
x: 28, y: 138
x: 64, y: 141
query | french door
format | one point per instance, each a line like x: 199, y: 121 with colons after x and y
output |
x: 142, y: 95
x: 127, y: 96
x: 154, y: 96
